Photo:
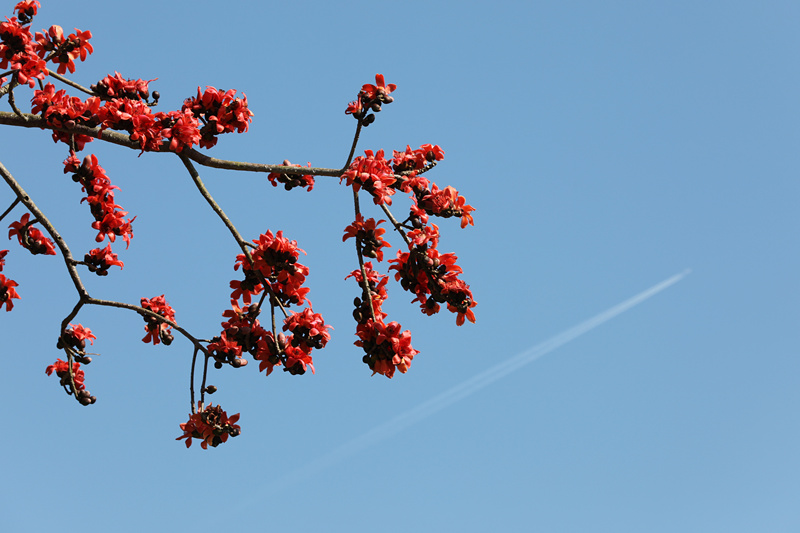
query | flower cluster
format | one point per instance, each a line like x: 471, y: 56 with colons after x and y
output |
x: 368, y: 236
x: 116, y: 86
x: 370, y: 98
x: 19, y: 51
x: 7, y: 291
x: 99, y: 261
x: 386, y: 347
x: 121, y: 104
x: 73, y: 339
x: 274, y: 262
x: 211, y: 425
x: 63, y: 51
x: 61, y: 368
x: 290, y: 181
x: 373, y: 173
x: 109, y: 219
x: 158, y: 330
x: 31, y: 238
x: 220, y: 112
x: 26, y: 55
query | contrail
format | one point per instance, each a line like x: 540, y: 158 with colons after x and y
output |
x: 460, y: 391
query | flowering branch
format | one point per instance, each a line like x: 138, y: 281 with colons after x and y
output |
x: 120, y: 111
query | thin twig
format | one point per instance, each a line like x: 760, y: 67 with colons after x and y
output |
x: 12, y: 206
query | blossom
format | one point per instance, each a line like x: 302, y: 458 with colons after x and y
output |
x: 370, y: 97
x: 117, y: 87
x: 291, y: 181
x: 275, y: 258
x: 220, y: 111
x: 69, y: 49
x: 446, y: 203
x: 373, y: 173
x: 75, y: 337
x: 99, y: 261
x: 387, y: 349
x: 211, y: 425
x: 26, y: 10
x: 31, y: 238
x: 61, y: 368
x: 297, y: 360
x: 308, y: 330
x: 368, y: 235
x: 379, y: 91
x: 158, y: 330
x: 7, y: 292
x: 181, y: 127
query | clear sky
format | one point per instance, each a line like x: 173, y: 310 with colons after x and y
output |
x: 606, y: 146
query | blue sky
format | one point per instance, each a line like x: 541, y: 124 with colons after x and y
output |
x: 605, y: 146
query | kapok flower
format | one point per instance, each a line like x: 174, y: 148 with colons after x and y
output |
x: 7, y: 292
x: 211, y: 425
x: 61, y: 368
x: 369, y: 235
x: 290, y: 181
x: 156, y: 329
x: 31, y: 238
x: 99, y: 261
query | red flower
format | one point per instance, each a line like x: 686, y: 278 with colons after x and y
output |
x: 99, y: 261
x: 374, y: 174
x: 156, y: 329
x: 276, y: 259
x: 226, y: 350
x: 181, y: 127
x: 212, y: 425
x: 386, y: 348
x: 379, y: 91
x: 308, y: 331
x: 61, y: 368
x: 26, y: 10
x: 75, y: 337
x: 290, y: 181
x: 118, y: 87
x: 31, y: 238
x: 3, y: 254
x: 297, y: 361
x: 369, y: 236
x: 7, y: 292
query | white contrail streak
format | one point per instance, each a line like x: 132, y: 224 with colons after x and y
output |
x: 462, y: 390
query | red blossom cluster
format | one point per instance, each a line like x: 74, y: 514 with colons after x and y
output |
x: 373, y: 173
x: 116, y: 86
x: 158, y: 330
x: 26, y: 55
x: 7, y: 291
x: 270, y: 267
x: 431, y: 276
x: 99, y: 261
x: 109, y: 219
x: 61, y: 368
x: 211, y: 425
x: 370, y: 98
x: 386, y: 348
x: 220, y: 112
x: 274, y: 262
x: 31, y: 238
x: 368, y: 235
x: 290, y: 181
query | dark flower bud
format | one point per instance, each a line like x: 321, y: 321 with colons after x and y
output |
x: 211, y: 389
